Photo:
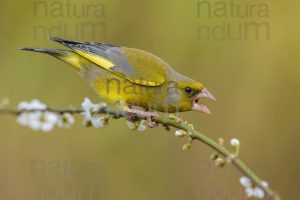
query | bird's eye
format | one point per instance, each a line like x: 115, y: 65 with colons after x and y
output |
x: 188, y: 90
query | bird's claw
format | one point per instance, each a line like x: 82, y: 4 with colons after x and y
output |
x: 141, y: 113
x: 132, y: 115
x: 151, y: 123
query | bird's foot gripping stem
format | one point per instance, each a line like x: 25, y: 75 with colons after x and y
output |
x: 132, y: 113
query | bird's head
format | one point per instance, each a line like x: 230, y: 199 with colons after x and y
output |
x: 189, y: 95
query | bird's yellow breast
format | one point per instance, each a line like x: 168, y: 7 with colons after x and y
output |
x: 114, y: 89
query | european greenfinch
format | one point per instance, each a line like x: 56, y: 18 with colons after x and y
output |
x: 135, y: 80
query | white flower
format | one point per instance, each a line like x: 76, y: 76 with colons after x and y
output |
x: 234, y: 142
x: 33, y: 104
x: 252, y: 190
x: 23, y: 119
x: 131, y: 125
x: 90, y: 107
x: 98, y: 121
x: 65, y: 120
x: 138, y: 125
x: 142, y: 126
x: 91, y: 117
x: 38, y: 120
x: 180, y: 133
x: 95, y: 121
x: 43, y: 121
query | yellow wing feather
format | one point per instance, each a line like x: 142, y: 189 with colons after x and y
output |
x: 135, y: 65
x: 103, y: 62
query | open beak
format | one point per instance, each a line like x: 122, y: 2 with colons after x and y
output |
x: 198, y: 106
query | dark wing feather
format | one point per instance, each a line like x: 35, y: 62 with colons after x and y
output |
x: 137, y: 66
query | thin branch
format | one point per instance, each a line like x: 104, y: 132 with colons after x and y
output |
x: 175, y: 123
x: 54, y: 110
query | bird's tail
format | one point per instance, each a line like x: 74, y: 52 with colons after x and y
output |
x: 67, y: 56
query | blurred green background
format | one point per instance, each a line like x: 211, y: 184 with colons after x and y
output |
x: 256, y: 82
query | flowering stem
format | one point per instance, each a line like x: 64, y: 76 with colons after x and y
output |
x: 240, y: 165
x: 170, y: 122
x: 58, y: 111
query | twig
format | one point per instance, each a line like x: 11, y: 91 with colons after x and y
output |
x: 175, y: 123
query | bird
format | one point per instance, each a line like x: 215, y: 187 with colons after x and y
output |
x: 135, y: 80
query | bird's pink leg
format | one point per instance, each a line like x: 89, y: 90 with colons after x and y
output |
x: 146, y: 114
x: 142, y: 113
x: 151, y: 123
